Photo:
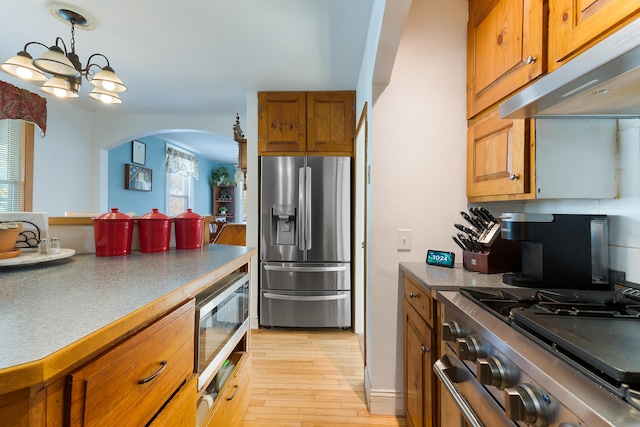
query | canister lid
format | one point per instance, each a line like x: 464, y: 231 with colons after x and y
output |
x: 189, y: 214
x: 154, y: 214
x: 113, y: 215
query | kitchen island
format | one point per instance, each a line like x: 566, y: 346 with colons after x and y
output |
x: 56, y: 317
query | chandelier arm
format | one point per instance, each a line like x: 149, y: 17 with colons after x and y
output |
x: 86, y: 71
x: 59, y: 39
x: 38, y: 43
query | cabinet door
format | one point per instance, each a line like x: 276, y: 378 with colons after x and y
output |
x: 281, y: 122
x: 330, y: 122
x: 419, y: 388
x: 504, y: 49
x: 575, y: 23
x: 498, y: 158
x: 129, y: 384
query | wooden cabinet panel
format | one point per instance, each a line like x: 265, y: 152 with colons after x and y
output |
x: 301, y: 123
x: 180, y: 411
x: 130, y: 383
x: 330, y: 121
x: 234, y: 398
x: 574, y: 24
x: 282, y: 123
x: 420, y: 391
x: 420, y: 300
x: 498, y: 157
x: 420, y: 351
x: 504, y: 49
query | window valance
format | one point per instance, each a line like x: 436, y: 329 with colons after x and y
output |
x: 180, y: 162
x: 20, y: 104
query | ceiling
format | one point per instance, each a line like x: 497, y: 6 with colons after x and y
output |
x: 201, y: 56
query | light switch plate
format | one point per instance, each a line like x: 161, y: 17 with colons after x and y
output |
x: 403, y: 239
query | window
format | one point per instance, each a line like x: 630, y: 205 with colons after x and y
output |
x: 180, y: 193
x: 181, y: 168
x: 16, y: 165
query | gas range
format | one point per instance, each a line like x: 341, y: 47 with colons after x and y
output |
x: 564, y: 358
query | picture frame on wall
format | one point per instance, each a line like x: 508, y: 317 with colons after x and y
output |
x: 138, y: 152
x: 137, y: 177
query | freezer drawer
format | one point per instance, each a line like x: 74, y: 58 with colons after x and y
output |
x: 305, y: 309
x: 305, y: 276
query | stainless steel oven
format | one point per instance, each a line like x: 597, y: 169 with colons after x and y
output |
x: 492, y: 374
x: 222, y: 317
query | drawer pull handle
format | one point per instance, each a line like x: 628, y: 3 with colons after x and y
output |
x: 412, y: 295
x: 234, y: 393
x: 163, y: 364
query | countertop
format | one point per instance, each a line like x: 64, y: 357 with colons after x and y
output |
x: 54, y: 314
x: 434, y: 278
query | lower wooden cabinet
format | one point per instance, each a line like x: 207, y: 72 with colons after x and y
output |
x: 179, y: 411
x: 420, y: 392
x: 131, y: 383
x: 232, y: 401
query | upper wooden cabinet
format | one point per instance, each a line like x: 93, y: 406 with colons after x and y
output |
x: 574, y: 24
x: 504, y: 49
x: 301, y: 123
x: 499, y: 158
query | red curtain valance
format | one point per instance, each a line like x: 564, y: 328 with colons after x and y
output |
x: 20, y: 104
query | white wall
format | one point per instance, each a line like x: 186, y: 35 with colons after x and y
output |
x: 70, y: 162
x: 418, y: 152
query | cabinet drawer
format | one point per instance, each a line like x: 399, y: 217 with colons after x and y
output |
x: 131, y: 382
x: 179, y: 411
x: 234, y: 397
x: 420, y: 300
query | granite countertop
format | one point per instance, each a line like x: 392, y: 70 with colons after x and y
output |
x: 435, y: 278
x: 47, y: 308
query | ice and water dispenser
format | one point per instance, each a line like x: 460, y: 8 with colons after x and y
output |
x: 283, y: 225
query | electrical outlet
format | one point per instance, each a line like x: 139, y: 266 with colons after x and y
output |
x: 403, y: 239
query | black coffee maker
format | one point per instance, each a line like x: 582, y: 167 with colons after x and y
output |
x: 559, y: 250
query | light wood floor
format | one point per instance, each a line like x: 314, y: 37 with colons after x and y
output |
x: 309, y: 379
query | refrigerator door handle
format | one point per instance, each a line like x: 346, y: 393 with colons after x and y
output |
x: 305, y: 298
x: 311, y: 269
x: 307, y: 197
x: 301, y: 218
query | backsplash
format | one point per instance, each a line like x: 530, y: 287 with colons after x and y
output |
x: 623, y: 212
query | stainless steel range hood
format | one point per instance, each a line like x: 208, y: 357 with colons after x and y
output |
x: 602, y: 82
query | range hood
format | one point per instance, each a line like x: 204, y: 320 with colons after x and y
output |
x: 602, y: 82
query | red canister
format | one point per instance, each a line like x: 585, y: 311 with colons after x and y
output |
x: 112, y: 232
x: 189, y: 226
x: 155, y: 231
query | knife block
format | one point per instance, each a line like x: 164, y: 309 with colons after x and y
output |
x: 502, y: 257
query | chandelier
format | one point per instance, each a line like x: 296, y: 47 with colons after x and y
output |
x: 66, y: 69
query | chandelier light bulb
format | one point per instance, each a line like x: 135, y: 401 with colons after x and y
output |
x: 21, y: 66
x: 24, y: 73
x: 105, y: 96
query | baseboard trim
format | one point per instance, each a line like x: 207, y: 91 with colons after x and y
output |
x: 383, y: 402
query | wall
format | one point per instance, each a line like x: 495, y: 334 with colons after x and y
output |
x: 71, y: 170
x: 418, y: 152
x: 142, y: 202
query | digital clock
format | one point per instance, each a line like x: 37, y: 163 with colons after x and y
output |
x: 441, y: 258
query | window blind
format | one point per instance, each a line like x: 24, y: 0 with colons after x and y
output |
x: 12, y: 153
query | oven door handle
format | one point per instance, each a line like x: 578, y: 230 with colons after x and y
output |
x: 444, y: 370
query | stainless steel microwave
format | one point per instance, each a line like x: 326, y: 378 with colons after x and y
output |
x: 222, y: 317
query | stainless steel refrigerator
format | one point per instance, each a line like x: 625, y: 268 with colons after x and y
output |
x: 305, y: 241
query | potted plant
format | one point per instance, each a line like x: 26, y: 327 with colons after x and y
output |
x: 221, y: 177
x: 9, y: 235
x: 222, y: 210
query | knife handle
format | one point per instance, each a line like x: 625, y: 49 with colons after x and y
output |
x: 455, y: 239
